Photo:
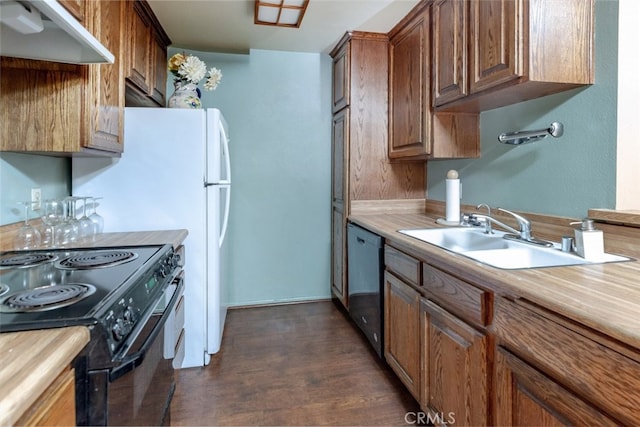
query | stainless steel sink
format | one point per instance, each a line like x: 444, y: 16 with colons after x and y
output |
x: 494, y: 250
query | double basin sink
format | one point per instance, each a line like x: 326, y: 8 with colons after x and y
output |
x: 496, y: 251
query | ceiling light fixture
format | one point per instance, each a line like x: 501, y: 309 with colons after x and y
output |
x: 280, y: 13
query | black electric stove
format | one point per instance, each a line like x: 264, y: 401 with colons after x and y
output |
x: 107, y: 287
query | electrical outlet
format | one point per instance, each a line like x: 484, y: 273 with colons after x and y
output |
x: 36, y: 199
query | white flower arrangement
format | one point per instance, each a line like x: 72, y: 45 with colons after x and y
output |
x: 191, y: 69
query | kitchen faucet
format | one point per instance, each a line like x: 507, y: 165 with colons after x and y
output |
x: 523, y: 235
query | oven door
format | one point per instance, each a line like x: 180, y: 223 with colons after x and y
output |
x: 138, y: 391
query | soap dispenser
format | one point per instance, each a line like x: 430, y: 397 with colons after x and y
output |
x: 589, y: 240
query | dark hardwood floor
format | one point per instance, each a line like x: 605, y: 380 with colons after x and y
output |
x: 303, y: 364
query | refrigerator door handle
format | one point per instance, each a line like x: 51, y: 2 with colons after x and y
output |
x: 225, y: 145
x: 225, y: 220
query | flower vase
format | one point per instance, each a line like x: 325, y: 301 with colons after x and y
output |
x: 185, y: 95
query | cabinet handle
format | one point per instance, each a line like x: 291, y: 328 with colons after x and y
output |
x: 360, y: 240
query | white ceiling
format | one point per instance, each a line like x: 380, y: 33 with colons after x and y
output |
x: 227, y: 25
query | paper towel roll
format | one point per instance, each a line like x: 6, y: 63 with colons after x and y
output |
x: 453, y: 200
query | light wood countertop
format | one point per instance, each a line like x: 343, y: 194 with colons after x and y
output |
x: 30, y: 361
x: 160, y: 237
x: 604, y: 297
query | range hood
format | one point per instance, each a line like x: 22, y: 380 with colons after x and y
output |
x: 45, y: 30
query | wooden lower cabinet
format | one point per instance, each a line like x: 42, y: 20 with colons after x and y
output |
x: 455, y: 368
x: 402, y: 332
x: 527, y: 397
x: 473, y: 358
x: 550, y: 368
x: 56, y: 406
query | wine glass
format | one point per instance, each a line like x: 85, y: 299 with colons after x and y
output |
x: 69, y: 229
x: 27, y: 237
x: 97, y: 219
x: 52, y: 215
x: 87, y: 227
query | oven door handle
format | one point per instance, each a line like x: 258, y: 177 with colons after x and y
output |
x: 134, y: 360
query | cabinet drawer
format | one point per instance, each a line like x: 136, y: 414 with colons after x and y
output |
x: 56, y: 406
x: 603, y: 376
x: 465, y: 300
x: 404, y: 266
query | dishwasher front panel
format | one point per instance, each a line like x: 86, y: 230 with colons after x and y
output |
x: 365, y: 252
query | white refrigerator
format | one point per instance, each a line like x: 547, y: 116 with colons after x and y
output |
x: 175, y: 173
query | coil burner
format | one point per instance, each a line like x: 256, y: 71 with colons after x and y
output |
x: 46, y: 298
x: 26, y: 260
x: 96, y: 259
x: 3, y: 289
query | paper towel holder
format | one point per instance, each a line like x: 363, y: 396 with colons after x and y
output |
x: 555, y: 129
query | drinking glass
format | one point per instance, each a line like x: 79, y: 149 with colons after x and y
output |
x: 87, y: 227
x: 70, y: 228
x: 52, y: 215
x: 28, y: 237
x: 97, y: 219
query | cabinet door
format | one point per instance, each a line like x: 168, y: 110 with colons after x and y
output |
x: 449, y: 65
x: 409, y: 89
x: 105, y: 92
x: 138, y: 70
x: 526, y: 397
x: 341, y: 78
x: 402, y: 331
x: 338, y: 279
x: 340, y: 143
x: 455, y: 374
x: 75, y: 8
x: 158, y: 71
x: 496, y: 42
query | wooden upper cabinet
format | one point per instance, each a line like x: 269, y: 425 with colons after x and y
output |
x: 409, y: 118
x: 341, y: 74
x: 159, y: 69
x: 105, y: 92
x: 450, y: 26
x: 75, y: 8
x: 416, y: 131
x: 146, y: 57
x: 67, y: 109
x: 497, y: 45
x: 138, y: 69
x: 516, y: 50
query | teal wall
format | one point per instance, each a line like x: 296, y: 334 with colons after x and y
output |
x: 564, y: 176
x: 278, y: 108
x: 19, y: 173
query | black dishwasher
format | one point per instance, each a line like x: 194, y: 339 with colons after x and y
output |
x: 365, y: 266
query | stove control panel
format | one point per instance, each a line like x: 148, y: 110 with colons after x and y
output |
x: 122, y: 319
x: 139, y: 301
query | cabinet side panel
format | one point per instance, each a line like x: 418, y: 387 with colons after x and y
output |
x: 561, y: 36
x: 41, y: 107
x: 372, y: 176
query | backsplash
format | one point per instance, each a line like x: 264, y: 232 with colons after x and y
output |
x: 19, y: 173
x: 558, y: 176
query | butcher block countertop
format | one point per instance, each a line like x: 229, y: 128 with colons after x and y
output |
x: 160, y: 237
x: 30, y: 361
x: 604, y: 297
